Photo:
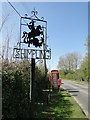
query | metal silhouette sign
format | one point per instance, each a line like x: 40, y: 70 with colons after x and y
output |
x: 33, y: 38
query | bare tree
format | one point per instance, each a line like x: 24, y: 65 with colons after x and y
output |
x: 76, y: 60
x: 62, y: 63
x: 3, y: 50
x: 4, y: 21
x: 9, y: 36
x: 3, y: 44
x: 70, y: 61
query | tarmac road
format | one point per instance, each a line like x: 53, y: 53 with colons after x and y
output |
x: 79, y: 92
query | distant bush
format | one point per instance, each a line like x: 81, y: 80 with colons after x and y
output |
x: 72, y: 76
x: 68, y: 76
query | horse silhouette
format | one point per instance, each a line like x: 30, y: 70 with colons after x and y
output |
x: 30, y: 37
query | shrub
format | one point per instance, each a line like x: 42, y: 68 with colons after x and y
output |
x: 15, y: 89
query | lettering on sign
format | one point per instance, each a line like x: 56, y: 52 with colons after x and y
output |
x: 31, y: 53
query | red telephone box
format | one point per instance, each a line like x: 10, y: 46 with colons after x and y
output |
x: 59, y: 82
x: 54, y: 79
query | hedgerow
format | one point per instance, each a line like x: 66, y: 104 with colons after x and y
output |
x: 16, y: 88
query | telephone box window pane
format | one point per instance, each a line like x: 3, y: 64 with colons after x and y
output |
x: 55, y: 81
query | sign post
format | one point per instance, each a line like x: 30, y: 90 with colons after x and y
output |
x: 32, y: 87
x: 36, y: 39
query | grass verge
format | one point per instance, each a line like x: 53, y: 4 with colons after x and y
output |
x: 61, y: 105
x: 84, y: 82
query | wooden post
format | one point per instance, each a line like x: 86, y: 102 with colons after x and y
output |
x: 32, y: 88
x: 44, y: 54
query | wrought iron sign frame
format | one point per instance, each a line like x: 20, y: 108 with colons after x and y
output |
x: 17, y: 51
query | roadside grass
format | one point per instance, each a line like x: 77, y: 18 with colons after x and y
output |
x: 60, y: 106
x: 84, y: 82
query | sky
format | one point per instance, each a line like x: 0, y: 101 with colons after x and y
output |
x: 67, y: 25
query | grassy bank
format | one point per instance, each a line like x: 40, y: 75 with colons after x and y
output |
x: 60, y: 106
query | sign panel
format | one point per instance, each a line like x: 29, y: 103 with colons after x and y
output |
x: 31, y: 53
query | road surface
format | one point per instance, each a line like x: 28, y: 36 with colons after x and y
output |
x: 79, y: 92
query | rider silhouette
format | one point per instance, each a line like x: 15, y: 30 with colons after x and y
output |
x: 31, y: 27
